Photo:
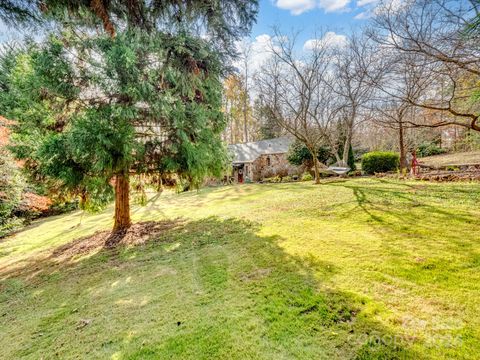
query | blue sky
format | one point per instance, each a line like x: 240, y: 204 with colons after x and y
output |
x: 340, y: 16
x: 335, y: 19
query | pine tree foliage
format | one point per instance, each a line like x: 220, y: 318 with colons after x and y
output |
x: 91, y: 106
x: 221, y: 21
x: 84, y: 122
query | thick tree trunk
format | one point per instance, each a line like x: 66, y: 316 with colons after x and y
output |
x: 317, y: 171
x: 346, y: 149
x: 315, y: 165
x: 122, y: 202
x: 401, y: 145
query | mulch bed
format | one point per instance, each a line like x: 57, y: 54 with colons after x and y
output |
x: 137, y: 234
x: 439, y: 175
x: 466, y: 175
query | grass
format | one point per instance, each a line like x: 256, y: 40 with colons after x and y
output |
x: 470, y: 157
x: 355, y: 269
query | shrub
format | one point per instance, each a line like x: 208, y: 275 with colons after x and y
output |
x: 12, y: 186
x: 378, y: 162
x: 429, y: 149
x: 298, y: 154
x: 10, y: 225
x: 307, y: 177
x: 274, y: 179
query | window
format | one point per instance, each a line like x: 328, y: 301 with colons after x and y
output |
x: 268, y: 161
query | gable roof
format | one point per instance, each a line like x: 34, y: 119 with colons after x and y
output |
x: 248, y: 152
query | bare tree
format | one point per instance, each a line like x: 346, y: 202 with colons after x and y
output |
x: 431, y: 35
x: 294, y: 90
x: 246, y: 53
x: 356, y: 68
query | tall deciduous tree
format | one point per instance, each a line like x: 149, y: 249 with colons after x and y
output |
x: 303, y: 95
x: 236, y: 106
x: 432, y: 36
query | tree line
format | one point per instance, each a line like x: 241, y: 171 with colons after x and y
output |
x: 415, y: 65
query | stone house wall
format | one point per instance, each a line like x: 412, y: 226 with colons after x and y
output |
x: 270, y: 165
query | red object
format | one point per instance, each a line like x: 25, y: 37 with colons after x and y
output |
x: 414, y: 163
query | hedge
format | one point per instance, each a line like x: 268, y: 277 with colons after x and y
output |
x: 380, y: 161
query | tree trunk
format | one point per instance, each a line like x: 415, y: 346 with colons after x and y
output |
x: 245, y: 125
x: 346, y: 149
x: 315, y: 166
x: 348, y: 138
x: 401, y: 145
x: 317, y: 171
x: 122, y: 202
x: 160, y: 185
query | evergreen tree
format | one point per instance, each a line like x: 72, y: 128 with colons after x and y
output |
x: 269, y: 128
x: 298, y: 154
x: 140, y: 98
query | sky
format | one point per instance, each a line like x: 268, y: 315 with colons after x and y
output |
x: 335, y: 19
x: 306, y: 15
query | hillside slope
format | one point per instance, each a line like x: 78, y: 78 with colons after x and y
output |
x: 363, y: 268
x: 462, y: 158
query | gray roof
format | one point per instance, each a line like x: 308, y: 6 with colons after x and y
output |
x: 248, y: 152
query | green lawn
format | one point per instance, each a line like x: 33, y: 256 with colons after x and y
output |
x: 356, y: 269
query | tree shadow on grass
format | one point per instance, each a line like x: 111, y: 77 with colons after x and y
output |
x: 424, y: 240
x: 207, y: 289
x: 374, y: 200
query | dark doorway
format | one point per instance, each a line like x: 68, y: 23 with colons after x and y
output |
x: 240, y: 176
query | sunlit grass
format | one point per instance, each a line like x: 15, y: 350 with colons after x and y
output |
x: 361, y: 268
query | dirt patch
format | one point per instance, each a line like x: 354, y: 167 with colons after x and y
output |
x: 137, y: 234
x: 256, y: 274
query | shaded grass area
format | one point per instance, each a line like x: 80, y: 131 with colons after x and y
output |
x: 357, y: 269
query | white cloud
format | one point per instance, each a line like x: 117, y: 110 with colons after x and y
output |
x: 297, y: 7
x: 260, y: 52
x: 333, y: 5
x: 366, y: 2
x: 363, y: 15
x: 329, y: 39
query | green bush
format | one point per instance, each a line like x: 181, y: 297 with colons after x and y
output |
x: 273, y: 179
x: 298, y: 154
x: 378, y: 162
x: 307, y: 177
x: 7, y: 226
x: 429, y: 149
x: 12, y: 186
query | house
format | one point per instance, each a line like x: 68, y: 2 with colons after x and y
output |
x: 257, y: 160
